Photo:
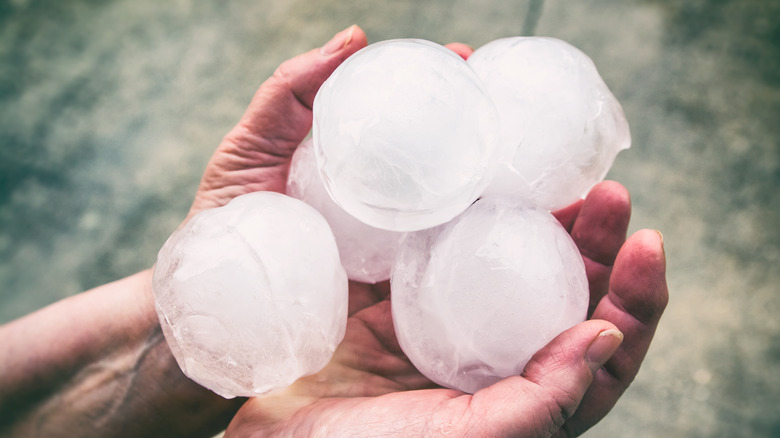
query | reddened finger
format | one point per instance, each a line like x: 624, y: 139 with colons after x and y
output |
x: 567, y: 215
x: 464, y: 50
x: 638, y: 284
x: 599, y: 230
x: 601, y: 225
x: 636, y: 300
x: 637, y: 297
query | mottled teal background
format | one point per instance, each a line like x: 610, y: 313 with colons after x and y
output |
x: 109, y: 111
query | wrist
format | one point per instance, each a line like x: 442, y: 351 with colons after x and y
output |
x: 96, y: 364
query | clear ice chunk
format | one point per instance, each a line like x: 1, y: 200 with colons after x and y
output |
x: 367, y: 253
x: 561, y: 127
x: 474, y: 299
x: 251, y: 296
x: 404, y: 135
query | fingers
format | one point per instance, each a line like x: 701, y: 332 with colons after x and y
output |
x: 599, y: 231
x: 255, y: 155
x: 567, y: 215
x: 602, y: 222
x: 637, y: 297
x: 362, y: 295
x: 552, y: 385
x: 461, y: 49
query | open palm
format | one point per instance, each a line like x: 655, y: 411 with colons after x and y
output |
x: 370, y: 387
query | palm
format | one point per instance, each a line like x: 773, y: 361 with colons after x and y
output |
x: 367, y: 365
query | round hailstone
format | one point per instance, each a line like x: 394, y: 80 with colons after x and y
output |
x: 475, y: 298
x: 561, y: 127
x: 251, y: 296
x: 367, y: 253
x: 404, y: 135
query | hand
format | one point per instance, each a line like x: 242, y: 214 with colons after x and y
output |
x: 370, y: 387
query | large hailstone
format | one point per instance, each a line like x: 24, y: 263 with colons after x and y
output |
x: 367, y: 253
x: 251, y: 296
x: 475, y: 298
x: 561, y: 127
x: 404, y: 135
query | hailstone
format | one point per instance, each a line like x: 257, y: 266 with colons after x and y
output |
x: 367, y: 253
x: 474, y: 299
x: 561, y: 127
x: 404, y: 135
x: 251, y: 296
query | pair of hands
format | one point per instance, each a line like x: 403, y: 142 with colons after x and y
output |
x: 370, y: 388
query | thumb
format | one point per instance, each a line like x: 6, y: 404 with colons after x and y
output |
x: 255, y: 155
x: 552, y: 385
x: 280, y: 112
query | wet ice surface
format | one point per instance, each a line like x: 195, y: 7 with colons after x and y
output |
x: 251, y: 296
x: 475, y: 298
x: 367, y: 253
x: 404, y: 135
x: 561, y: 127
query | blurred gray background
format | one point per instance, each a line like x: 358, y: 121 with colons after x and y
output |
x: 109, y: 111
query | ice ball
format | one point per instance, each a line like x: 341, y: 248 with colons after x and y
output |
x: 404, y: 135
x: 367, y: 253
x: 561, y: 127
x: 475, y: 298
x: 251, y: 296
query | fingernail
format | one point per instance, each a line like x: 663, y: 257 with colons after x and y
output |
x: 602, y: 348
x: 338, y: 42
x: 662, y: 242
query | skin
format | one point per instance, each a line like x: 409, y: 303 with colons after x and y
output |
x: 96, y: 364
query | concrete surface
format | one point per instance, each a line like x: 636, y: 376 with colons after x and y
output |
x: 109, y: 111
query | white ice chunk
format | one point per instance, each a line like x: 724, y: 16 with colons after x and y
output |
x: 404, y: 135
x: 561, y: 127
x: 367, y: 253
x: 475, y: 298
x: 251, y: 296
